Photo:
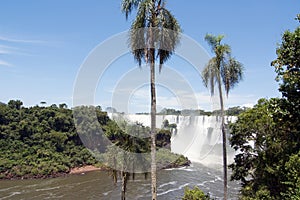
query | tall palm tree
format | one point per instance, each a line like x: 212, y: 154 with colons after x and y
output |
x: 123, y: 161
x: 151, y: 40
x: 221, y: 69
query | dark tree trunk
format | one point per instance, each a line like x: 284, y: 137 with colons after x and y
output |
x: 224, y: 137
x: 153, y: 105
x: 153, y: 126
x: 124, y: 184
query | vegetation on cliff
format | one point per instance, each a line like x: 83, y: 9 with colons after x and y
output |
x: 43, y: 141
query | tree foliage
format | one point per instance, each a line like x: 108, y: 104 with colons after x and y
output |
x: 267, y: 137
x: 195, y: 194
x: 155, y: 31
x: 222, y: 67
x: 287, y: 65
x: 43, y: 141
x: 39, y: 141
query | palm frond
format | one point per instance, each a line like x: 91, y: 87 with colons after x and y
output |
x: 209, y: 75
x: 213, y: 41
x: 222, y: 66
x: 155, y: 32
x: 163, y: 56
x: 225, y: 49
x: 231, y: 73
x: 168, y: 35
x: 128, y: 5
x: 222, y: 52
x: 137, y: 37
x: 137, y: 42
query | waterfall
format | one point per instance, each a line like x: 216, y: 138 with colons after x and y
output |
x: 200, y: 139
x: 197, y: 137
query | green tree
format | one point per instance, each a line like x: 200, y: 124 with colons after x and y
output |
x: 268, y: 144
x: 15, y: 104
x: 287, y: 67
x: 165, y: 123
x: 154, y: 35
x: 194, y: 194
x: 222, y: 68
x: 235, y: 111
x: 38, y: 142
x: 267, y: 136
x: 293, y: 177
x: 63, y: 106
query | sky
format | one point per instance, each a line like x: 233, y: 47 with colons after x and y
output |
x: 44, y: 46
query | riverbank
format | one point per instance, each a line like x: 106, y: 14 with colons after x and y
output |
x: 85, y: 169
x: 72, y: 171
x: 81, y: 170
x: 165, y: 160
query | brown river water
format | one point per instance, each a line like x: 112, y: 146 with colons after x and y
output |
x: 99, y: 185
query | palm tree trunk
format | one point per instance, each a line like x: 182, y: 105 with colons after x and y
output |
x: 153, y: 126
x: 224, y: 137
x: 153, y: 107
x: 124, y: 184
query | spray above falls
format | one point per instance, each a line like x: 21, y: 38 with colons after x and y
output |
x: 196, y: 137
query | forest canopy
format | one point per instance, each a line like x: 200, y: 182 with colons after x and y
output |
x: 42, y: 141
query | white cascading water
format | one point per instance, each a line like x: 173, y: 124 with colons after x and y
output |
x: 197, y: 137
x: 200, y: 139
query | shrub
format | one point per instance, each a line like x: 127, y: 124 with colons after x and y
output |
x: 195, y: 194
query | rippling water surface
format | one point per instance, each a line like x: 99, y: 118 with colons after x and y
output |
x: 98, y: 185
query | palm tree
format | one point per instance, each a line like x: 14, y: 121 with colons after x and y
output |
x: 154, y: 35
x: 222, y: 68
x: 123, y: 161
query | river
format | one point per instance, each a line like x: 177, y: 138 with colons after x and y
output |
x: 98, y: 185
x: 196, y: 137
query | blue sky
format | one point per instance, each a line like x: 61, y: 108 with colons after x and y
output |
x: 44, y: 43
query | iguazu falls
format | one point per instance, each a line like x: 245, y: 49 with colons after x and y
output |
x: 149, y: 99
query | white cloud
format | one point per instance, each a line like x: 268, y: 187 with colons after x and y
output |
x: 9, y: 50
x: 4, y: 51
x: 13, y: 49
x: 3, y: 63
x: 7, y: 39
x: 247, y: 100
x: 248, y: 105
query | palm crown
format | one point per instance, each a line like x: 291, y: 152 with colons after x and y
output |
x: 154, y: 33
x: 222, y: 67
